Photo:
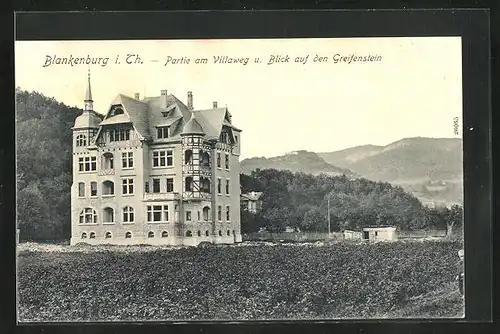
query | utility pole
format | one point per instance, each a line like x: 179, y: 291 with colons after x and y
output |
x: 329, y: 216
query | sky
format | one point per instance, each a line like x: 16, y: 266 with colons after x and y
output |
x: 411, y: 88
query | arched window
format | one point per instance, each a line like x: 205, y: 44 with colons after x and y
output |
x: 84, y: 235
x: 164, y: 234
x: 88, y: 216
x: 109, y: 215
x: 219, y: 213
x: 108, y: 188
x: 151, y: 234
x: 189, y: 183
x: 128, y: 214
x: 206, y: 213
x: 188, y: 157
x: 128, y: 235
x: 92, y: 235
x: 207, y: 233
x: 108, y: 235
x: 220, y: 233
x: 205, y: 159
x: 199, y: 233
x: 189, y: 234
x: 108, y: 161
x: 81, y: 140
x: 205, y: 185
x: 228, y: 233
x: 228, y: 213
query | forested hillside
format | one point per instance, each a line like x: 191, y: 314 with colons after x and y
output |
x: 300, y: 200
x: 43, y: 154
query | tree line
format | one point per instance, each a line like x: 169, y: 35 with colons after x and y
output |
x: 300, y: 201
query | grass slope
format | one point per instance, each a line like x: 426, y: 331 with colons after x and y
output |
x: 236, y: 282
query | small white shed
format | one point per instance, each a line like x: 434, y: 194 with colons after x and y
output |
x: 379, y: 233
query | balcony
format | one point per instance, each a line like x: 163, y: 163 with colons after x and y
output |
x: 197, y: 169
x: 161, y: 196
x: 197, y: 196
x: 107, y: 171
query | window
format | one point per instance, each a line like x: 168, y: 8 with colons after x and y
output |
x: 163, y: 132
x: 128, y: 214
x: 199, y: 233
x: 81, y: 189
x: 207, y: 233
x: 163, y: 158
x: 81, y: 140
x: 119, y: 135
x: 84, y: 235
x: 92, y: 235
x: 205, y: 184
x: 108, y: 160
x: 108, y: 235
x: 164, y: 234
x: 108, y: 188
x: 88, y: 216
x: 189, y: 233
x: 93, y: 189
x: 127, y: 186
x: 87, y: 164
x: 170, y: 185
x: 188, y: 215
x: 188, y: 157
x: 116, y: 111
x: 219, y: 186
x: 157, y: 213
x: 151, y: 234
x: 220, y: 233
x: 376, y: 233
x: 199, y: 215
x: 109, y: 215
x: 234, y: 233
x: 228, y: 213
x: 235, y: 138
x: 219, y: 213
x: 206, y: 213
x: 128, y: 160
x: 227, y: 187
x: 189, y: 184
x: 128, y: 235
x: 226, y: 161
x: 218, y: 160
x: 228, y: 233
x: 205, y: 159
x: 156, y: 185
x: 146, y: 187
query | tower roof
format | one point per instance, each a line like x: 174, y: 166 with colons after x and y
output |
x: 193, y: 127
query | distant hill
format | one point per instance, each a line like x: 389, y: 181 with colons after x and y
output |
x: 430, y: 168
x: 297, y: 161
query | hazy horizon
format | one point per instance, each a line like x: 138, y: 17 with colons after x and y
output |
x: 282, y: 107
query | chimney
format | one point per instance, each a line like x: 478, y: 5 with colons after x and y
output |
x: 190, y: 100
x: 215, y: 104
x: 137, y: 96
x: 163, y: 99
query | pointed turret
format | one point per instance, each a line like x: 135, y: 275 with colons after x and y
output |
x: 88, y: 119
x: 88, y: 96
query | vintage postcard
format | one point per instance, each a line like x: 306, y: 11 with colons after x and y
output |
x: 239, y: 179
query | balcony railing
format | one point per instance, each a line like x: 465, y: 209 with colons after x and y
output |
x: 197, y: 169
x: 197, y: 195
x: 161, y: 196
x: 106, y: 171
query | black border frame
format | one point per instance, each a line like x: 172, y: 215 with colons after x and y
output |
x: 472, y: 25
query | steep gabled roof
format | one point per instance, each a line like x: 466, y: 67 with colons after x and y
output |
x: 252, y: 196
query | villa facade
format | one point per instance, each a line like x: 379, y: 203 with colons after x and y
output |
x: 155, y: 171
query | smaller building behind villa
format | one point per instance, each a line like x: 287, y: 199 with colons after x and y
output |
x: 251, y: 201
x: 380, y: 233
